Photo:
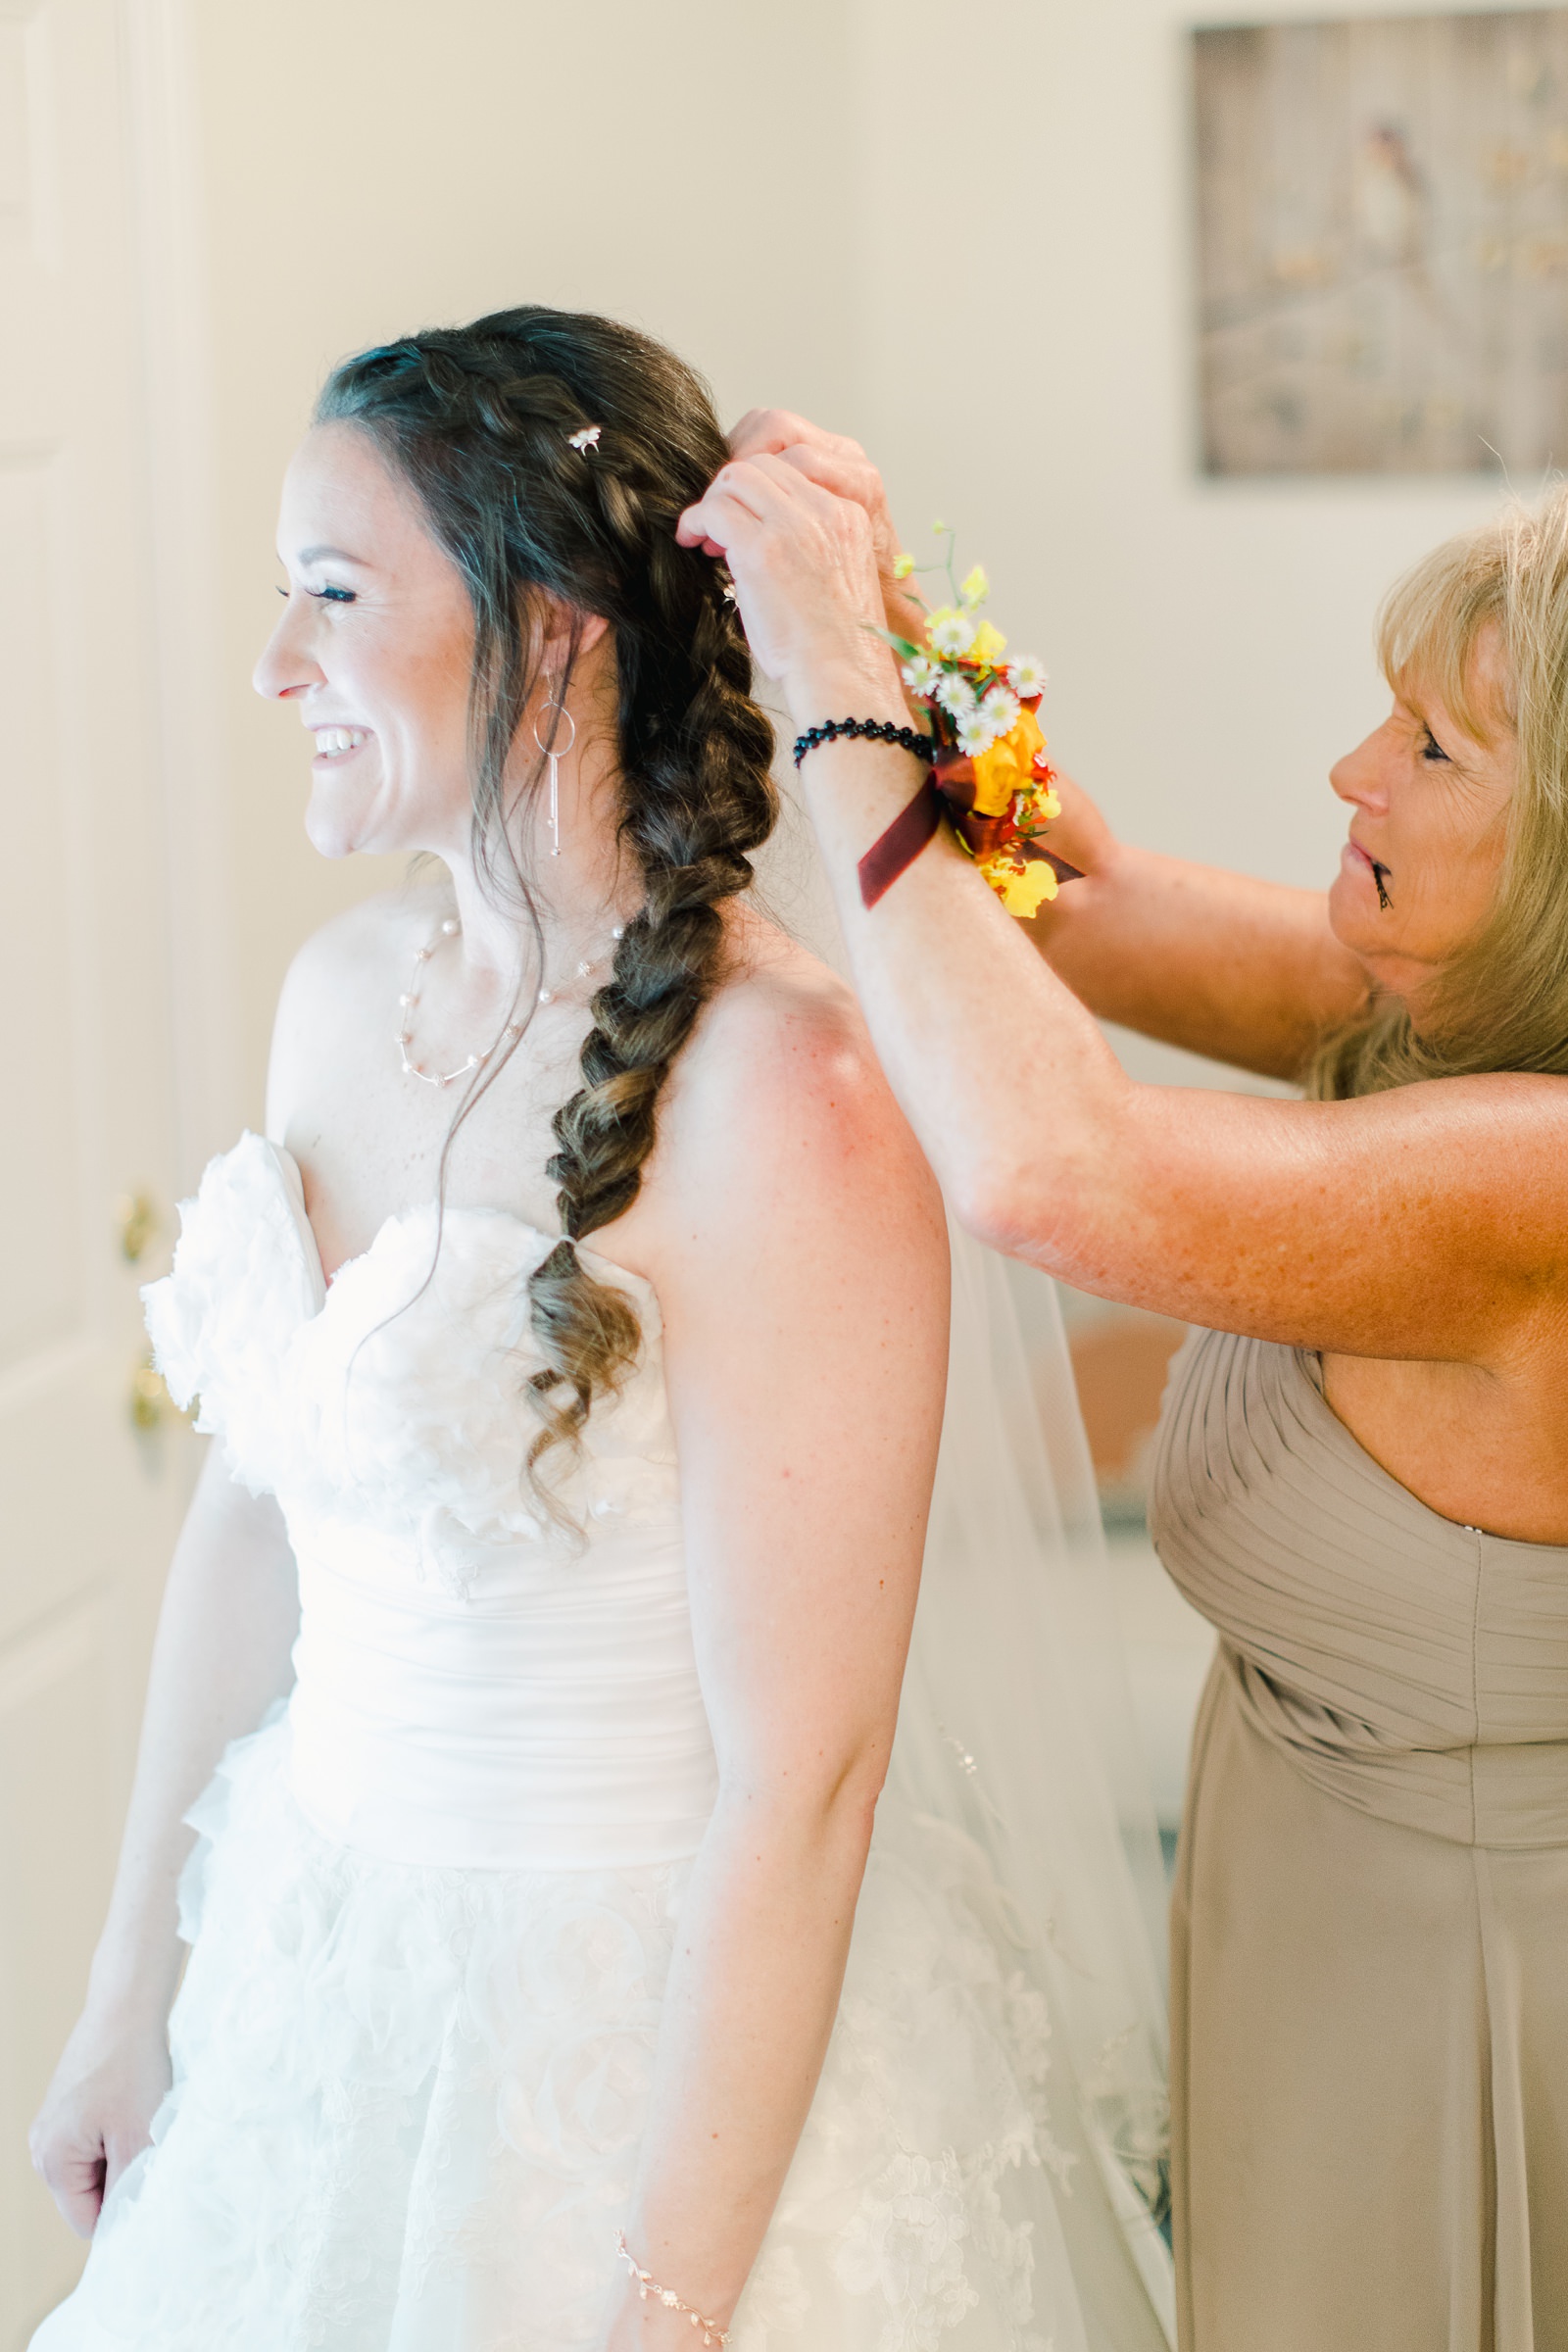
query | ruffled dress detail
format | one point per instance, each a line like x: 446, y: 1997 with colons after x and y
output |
x: 434, y: 1897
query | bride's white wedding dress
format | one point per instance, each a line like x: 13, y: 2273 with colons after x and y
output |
x: 434, y: 1901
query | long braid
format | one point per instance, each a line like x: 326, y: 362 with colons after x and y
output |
x: 709, y: 804
x: 479, y: 419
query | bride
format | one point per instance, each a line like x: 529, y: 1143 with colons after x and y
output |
x: 529, y: 1667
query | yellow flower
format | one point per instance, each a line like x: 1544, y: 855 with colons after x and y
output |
x: 975, y: 589
x: 902, y: 567
x: 1037, y: 808
x: 1023, y: 886
x: 989, y: 644
x: 1009, y: 766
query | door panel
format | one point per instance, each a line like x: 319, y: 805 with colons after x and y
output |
x: 43, y: 1302
x: 88, y: 1501
x: 54, y: 1695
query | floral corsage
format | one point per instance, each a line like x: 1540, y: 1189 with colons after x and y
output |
x: 990, y: 776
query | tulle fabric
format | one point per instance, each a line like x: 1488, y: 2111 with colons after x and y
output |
x: 408, y: 2102
x: 1016, y: 1726
x: 1013, y: 1732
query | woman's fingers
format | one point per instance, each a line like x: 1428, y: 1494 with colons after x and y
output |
x: 74, y: 2179
x: 742, y: 497
x: 804, y: 566
x: 847, y: 472
x: 831, y: 459
x: 771, y: 431
x: 723, y: 510
x: 751, y: 498
x: 96, y: 2120
x: 841, y: 466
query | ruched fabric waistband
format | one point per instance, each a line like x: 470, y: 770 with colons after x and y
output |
x: 1513, y: 1797
x: 548, y: 1721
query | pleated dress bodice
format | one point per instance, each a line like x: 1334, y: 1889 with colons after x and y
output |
x: 1415, y: 1668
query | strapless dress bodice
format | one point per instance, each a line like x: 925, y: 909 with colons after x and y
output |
x: 476, y: 1685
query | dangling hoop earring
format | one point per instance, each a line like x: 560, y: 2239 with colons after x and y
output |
x: 554, y: 757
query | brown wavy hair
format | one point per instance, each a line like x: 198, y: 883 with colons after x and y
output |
x: 1502, y: 1000
x: 478, y: 420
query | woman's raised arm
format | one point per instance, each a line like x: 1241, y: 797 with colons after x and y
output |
x: 1375, y: 1227
x: 1243, y: 972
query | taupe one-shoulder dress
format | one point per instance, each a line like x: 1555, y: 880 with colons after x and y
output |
x: 1369, y: 1983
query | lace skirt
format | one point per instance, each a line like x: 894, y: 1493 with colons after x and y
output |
x: 408, y: 2105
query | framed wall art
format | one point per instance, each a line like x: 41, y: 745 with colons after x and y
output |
x: 1383, y: 245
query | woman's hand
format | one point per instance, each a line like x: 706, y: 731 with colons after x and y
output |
x: 222, y: 1655
x: 97, y: 2112
x: 804, y: 565
x: 840, y: 465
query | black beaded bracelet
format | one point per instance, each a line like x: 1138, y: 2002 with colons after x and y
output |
x: 874, y: 730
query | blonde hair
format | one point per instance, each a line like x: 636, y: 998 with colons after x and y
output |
x: 1502, y: 1003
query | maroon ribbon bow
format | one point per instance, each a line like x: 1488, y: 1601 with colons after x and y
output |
x: 947, y: 791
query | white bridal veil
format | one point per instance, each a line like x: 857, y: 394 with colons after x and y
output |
x: 1016, y: 1729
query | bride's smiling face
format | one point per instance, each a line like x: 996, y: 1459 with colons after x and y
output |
x: 374, y: 648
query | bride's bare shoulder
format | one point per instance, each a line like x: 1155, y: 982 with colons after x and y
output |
x: 780, y: 1014
x: 781, y: 1072
x: 345, y: 978
x: 352, y: 951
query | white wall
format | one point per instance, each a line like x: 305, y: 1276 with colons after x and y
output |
x: 965, y: 239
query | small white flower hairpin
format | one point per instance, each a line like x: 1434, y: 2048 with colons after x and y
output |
x: 585, y: 440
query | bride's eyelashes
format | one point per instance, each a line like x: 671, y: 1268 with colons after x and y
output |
x: 1432, y: 749
x: 325, y: 596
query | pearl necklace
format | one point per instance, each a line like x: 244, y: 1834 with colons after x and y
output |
x: 409, y: 1004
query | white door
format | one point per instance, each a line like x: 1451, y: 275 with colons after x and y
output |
x: 88, y: 1501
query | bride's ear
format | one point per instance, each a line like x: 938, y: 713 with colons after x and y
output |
x: 566, y: 632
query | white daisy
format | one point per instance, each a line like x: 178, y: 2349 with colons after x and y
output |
x: 1027, y: 677
x: 975, y: 733
x: 952, y: 633
x: 1002, y: 709
x: 956, y: 694
x: 922, y: 676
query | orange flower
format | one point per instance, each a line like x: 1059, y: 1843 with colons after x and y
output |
x: 1007, y: 767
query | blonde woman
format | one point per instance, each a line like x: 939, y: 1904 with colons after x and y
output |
x: 1363, y: 1474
